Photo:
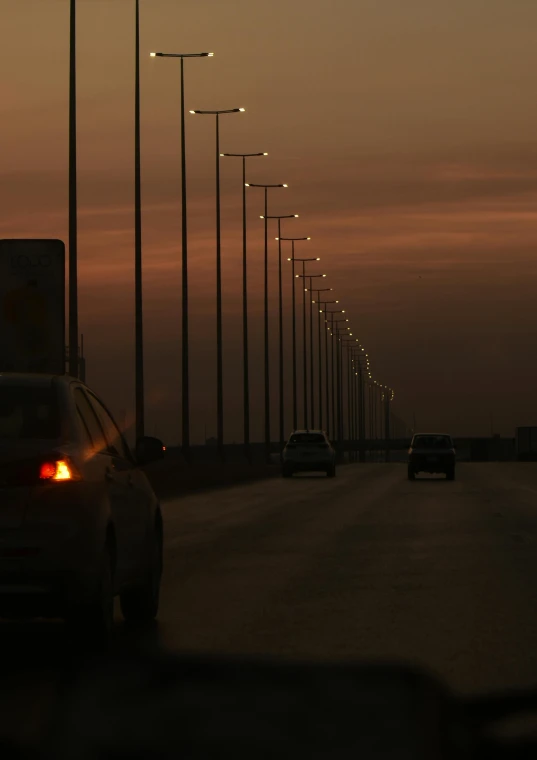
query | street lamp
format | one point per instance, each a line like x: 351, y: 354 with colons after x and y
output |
x: 361, y: 360
x: 219, y: 361
x: 292, y: 260
x: 335, y: 420
x: 267, y: 355
x: 304, y: 349
x: 280, y: 306
x: 319, y: 351
x: 327, y: 385
x: 350, y: 344
x: 138, y: 295
x: 246, y: 381
x: 185, y: 371
x: 310, y: 277
x: 73, y: 219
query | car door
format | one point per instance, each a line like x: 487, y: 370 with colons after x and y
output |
x: 132, y: 510
x: 101, y: 467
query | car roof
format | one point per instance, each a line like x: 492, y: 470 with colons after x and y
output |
x: 32, y: 379
x: 320, y: 432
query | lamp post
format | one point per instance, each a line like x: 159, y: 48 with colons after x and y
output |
x: 292, y: 260
x: 319, y: 351
x: 304, y: 343
x: 219, y: 360
x: 336, y: 382
x: 266, y: 310
x: 340, y: 391
x: 73, y: 220
x: 310, y: 277
x: 357, y: 356
x: 326, y: 362
x: 332, y: 384
x: 185, y: 371
x: 245, y: 361
x: 280, y: 312
x: 347, y: 342
x: 138, y: 299
x: 353, y: 402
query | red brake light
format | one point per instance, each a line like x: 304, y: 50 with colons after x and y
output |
x: 59, y: 470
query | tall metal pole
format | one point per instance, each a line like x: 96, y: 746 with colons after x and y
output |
x: 219, y: 365
x: 73, y: 225
x: 295, y: 403
x: 356, y: 411
x: 312, y: 381
x: 361, y: 392
x: 138, y: 302
x: 280, y: 306
x: 327, y: 381
x: 267, y: 372
x: 320, y: 379
x: 245, y: 363
x: 338, y: 376
x: 371, y: 420
x: 332, y: 383
x: 387, y: 425
x: 319, y: 352
x: 304, y: 350
x: 350, y: 427
x: 185, y: 374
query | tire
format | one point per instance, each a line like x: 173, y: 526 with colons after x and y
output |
x: 287, y: 472
x: 331, y: 472
x: 450, y: 474
x: 92, y: 622
x: 411, y: 474
x: 140, y: 604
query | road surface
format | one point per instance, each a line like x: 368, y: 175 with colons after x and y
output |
x: 366, y: 565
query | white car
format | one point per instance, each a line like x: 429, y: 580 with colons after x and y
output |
x: 79, y: 521
x: 308, y: 451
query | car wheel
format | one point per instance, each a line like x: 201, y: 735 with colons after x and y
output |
x: 140, y: 604
x: 92, y: 622
x: 411, y: 474
x: 287, y: 472
x: 331, y: 472
x: 450, y: 474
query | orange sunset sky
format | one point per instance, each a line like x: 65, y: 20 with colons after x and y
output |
x: 406, y: 132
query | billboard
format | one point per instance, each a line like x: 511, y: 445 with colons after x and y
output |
x: 32, y: 306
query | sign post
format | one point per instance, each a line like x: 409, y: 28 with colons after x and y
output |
x: 32, y: 306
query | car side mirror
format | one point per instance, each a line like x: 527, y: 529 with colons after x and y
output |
x: 149, y: 450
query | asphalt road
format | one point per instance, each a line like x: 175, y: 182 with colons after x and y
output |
x: 366, y: 565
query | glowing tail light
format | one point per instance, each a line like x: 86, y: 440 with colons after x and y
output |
x: 59, y: 470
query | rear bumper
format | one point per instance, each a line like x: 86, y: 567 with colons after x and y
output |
x: 423, y: 464
x: 308, y: 466
x: 43, y: 574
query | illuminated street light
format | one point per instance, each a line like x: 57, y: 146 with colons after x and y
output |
x: 245, y: 360
x: 292, y: 259
x: 266, y: 188
x: 185, y: 372
x: 219, y: 341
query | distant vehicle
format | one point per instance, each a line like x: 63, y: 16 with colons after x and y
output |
x: 431, y: 453
x: 308, y: 451
x: 526, y: 444
x: 79, y: 521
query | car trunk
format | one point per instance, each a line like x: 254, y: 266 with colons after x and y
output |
x: 19, y: 473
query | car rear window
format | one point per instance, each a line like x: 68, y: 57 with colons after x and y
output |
x: 307, y: 438
x: 431, y: 442
x: 29, y: 413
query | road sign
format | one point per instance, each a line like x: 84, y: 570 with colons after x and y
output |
x: 32, y: 306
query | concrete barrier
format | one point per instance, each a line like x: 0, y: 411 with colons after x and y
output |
x: 173, y: 476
